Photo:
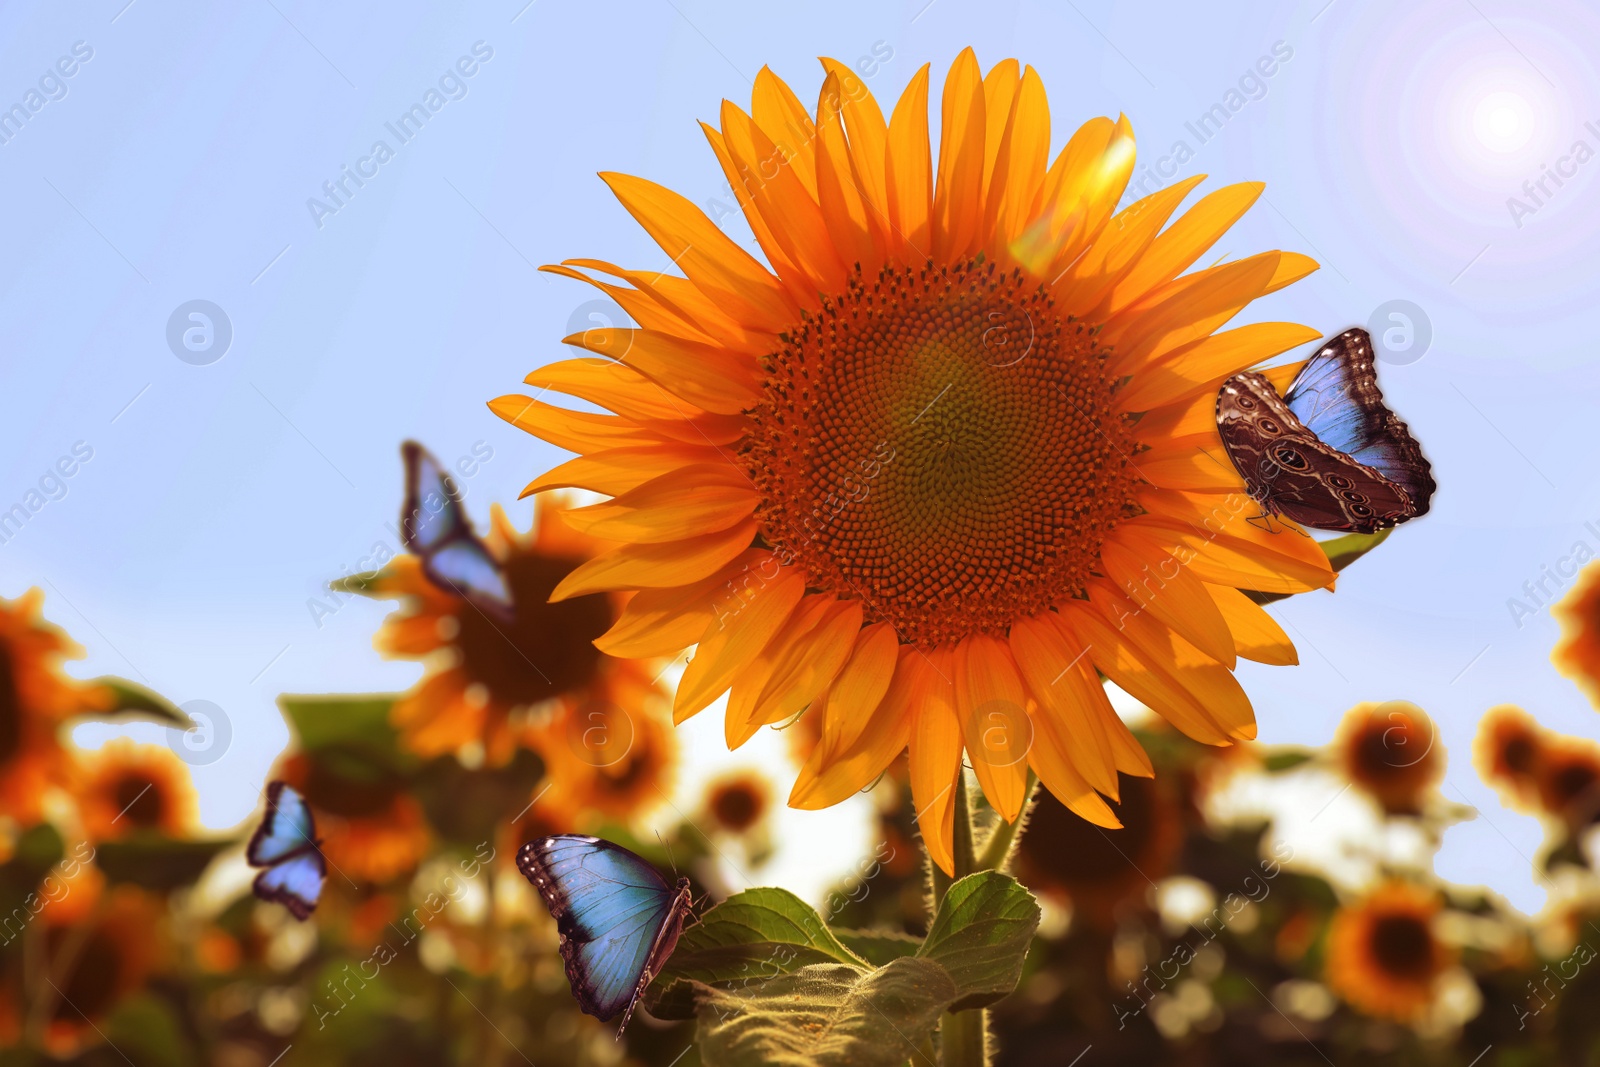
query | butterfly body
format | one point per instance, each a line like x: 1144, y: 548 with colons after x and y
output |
x: 435, y: 528
x: 618, y: 919
x: 286, y: 845
x: 1328, y: 453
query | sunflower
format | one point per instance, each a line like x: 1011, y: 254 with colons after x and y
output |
x: 493, y: 681
x: 604, y: 763
x: 1384, y: 954
x: 1568, y: 781
x: 1104, y: 871
x: 35, y: 699
x: 1508, y: 751
x: 949, y: 452
x: 101, y: 964
x: 371, y: 828
x: 1578, y: 654
x: 1390, y: 750
x: 738, y: 802
x: 130, y: 787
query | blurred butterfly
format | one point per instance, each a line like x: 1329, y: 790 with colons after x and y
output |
x: 1328, y: 453
x: 286, y: 845
x: 618, y: 919
x: 436, y: 529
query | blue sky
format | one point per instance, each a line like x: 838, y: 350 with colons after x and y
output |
x: 1410, y: 153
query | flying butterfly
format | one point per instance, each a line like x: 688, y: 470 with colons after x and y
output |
x: 435, y: 528
x: 286, y: 845
x: 617, y: 917
x: 1327, y: 453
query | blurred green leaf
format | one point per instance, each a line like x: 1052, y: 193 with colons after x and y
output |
x: 878, y: 947
x: 1341, y: 552
x: 146, y: 1031
x: 133, y: 701
x: 1286, y: 760
x: 980, y: 936
x: 827, y: 1015
x: 156, y: 862
x: 357, y: 583
x: 465, y: 806
x: 750, y: 938
x: 324, y: 721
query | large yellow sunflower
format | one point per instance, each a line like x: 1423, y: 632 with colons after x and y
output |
x: 35, y: 699
x: 495, y: 683
x: 948, y: 451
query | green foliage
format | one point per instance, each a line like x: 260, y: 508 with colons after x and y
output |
x: 156, y: 862
x: 133, y: 701
x: 770, y: 983
x: 324, y: 721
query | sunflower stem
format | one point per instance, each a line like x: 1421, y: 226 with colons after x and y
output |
x: 997, y: 849
x: 963, y: 1035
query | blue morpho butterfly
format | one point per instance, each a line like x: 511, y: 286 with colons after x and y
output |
x: 1328, y: 453
x: 286, y: 845
x: 618, y: 918
x: 434, y: 526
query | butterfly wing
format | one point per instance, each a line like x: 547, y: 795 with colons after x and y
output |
x: 1336, y: 397
x: 296, y: 882
x: 1292, y: 473
x: 610, y: 907
x: 287, y: 827
x: 434, y: 526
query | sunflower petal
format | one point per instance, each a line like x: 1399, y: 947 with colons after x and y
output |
x: 935, y: 761
x: 908, y: 173
x: 991, y: 703
x: 1159, y: 584
x: 958, y: 196
x: 649, y: 566
x: 734, y: 639
x: 1201, y: 366
x: 1185, y: 241
x: 1256, y: 634
x: 862, y: 731
x: 1050, y: 667
x: 662, y: 622
x: 677, y: 505
x: 707, y: 376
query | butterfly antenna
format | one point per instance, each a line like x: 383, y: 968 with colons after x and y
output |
x: 668, y: 848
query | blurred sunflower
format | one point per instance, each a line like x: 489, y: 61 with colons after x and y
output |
x: 1568, y: 781
x: 129, y: 787
x: 1578, y: 654
x: 1390, y: 750
x: 604, y: 764
x: 1103, y: 871
x: 954, y: 452
x: 372, y: 828
x: 101, y: 964
x: 1508, y: 751
x: 738, y: 802
x: 492, y: 682
x: 1384, y: 955
x: 35, y: 699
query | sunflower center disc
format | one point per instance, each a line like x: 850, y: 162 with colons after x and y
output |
x: 942, y: 446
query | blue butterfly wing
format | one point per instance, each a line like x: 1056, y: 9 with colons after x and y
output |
x: 296, y: 882
x: 608, y: 904
x: 433, y: 513
x: 1337, y: 398
x: 465, y: 567
x: 436, y: 528
x: 287, y: 827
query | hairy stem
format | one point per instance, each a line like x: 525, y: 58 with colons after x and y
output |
x: 962, y: 1034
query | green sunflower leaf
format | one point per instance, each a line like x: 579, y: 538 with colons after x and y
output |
x: 133, y: 701
x: 329, y: 721
x: 826, y: 1015
x: 748, y: 939
x: 879, y: 947
x: 981, y: 935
